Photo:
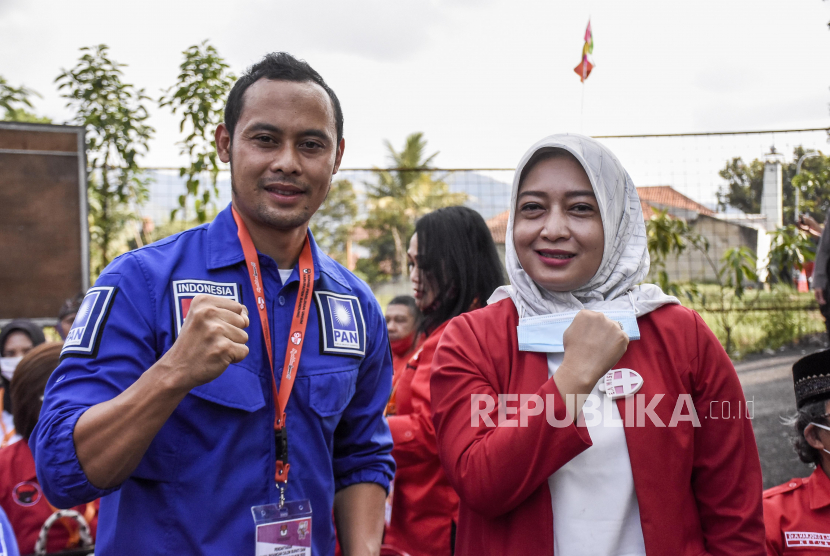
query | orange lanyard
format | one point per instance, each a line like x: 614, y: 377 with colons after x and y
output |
x: 296, y: 336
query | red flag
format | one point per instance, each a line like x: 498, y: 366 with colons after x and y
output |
x: 583, y: 70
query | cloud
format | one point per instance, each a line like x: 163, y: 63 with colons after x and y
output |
x: 378, y: 30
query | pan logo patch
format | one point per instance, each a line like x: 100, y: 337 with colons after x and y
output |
x: 343, y: 329
x: 86, y: 331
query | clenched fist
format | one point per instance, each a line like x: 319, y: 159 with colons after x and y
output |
x: 593, y: 344
x: 211, y: 338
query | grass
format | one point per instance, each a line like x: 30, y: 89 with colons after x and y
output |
x: 783, y: 318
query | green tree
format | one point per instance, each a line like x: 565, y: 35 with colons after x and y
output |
x: 332, y: 225
x: 790, y: 248
x: 15, y: 100
x: 745, y: 184
x: 200, y: 93
x: 668, y: 236
x: 405, y: 191
x: 117, y: 134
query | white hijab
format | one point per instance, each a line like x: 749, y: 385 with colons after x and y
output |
x: 625, y: 260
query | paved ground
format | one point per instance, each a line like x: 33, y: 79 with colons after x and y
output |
x: 767, y: 383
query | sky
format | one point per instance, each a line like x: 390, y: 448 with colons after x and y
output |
x: 482, y: 79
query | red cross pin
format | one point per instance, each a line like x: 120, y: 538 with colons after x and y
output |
x: 619, y: 383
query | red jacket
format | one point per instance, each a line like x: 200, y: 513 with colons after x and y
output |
x: 424, y: 505
x: 27, y: 508
x: 698, y: 488
x: 797, y: 516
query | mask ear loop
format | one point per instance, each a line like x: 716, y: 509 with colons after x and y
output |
x: 631, y: 299
x: 825, y: 428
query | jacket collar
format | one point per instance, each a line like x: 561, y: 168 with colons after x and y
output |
x: 819, y: 488
x: 223, y: 249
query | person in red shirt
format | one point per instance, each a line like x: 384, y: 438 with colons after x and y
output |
x: 454, y: 267
x: 403, y: 318
x: 582, y: 412
x: 20, y: 494
x: 797, y: 513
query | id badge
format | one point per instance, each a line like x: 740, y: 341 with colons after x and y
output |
x: 283, y: 531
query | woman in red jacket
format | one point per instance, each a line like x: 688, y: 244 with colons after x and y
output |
x: 559, y: 435
x: 20, y: 494
x: 454, y: 268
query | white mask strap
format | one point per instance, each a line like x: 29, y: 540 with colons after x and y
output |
x: 825, y: 428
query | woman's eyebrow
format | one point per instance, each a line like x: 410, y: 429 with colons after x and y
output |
x: 585, y: 193
x: 534, y: 193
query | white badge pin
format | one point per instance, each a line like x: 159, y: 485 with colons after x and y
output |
x: 619, y: 383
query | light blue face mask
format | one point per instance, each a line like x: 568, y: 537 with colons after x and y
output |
x: 544, y: 333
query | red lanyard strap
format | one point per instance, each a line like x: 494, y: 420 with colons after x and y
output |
x: 296, y: 334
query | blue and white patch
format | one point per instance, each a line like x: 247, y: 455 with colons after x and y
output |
x: 85, y: 333
x: 185, y: 290
x: 342, y: 328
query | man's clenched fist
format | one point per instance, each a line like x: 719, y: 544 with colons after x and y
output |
x: 211, y: 338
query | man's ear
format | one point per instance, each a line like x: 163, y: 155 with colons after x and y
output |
x: 338, y: 158
x: 223, y: 143
x: 811, y: 436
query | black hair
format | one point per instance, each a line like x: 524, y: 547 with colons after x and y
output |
x: 71, y: 306
x: 811, y: 412
x: 277, y: 66
x: 458, y: 260
x: 409, y: 301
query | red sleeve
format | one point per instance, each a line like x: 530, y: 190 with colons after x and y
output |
x: 726, y: 473
x: 413, y: 434
x: 772, y: 524
x: 493, y: 469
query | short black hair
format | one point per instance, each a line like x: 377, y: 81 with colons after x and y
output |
x: 410, y: 303
x: 277, y: 66
x: 458, y: 257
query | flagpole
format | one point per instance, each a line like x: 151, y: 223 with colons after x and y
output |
x: 582, y: 110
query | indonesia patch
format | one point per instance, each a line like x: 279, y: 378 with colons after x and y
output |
x: 342, y: 328
x: 185, y: 290
x: 86, y: 331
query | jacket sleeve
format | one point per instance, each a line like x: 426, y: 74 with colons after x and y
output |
x: 413, y: 434
x: 726, y: 472
x: 822, y: 252
x: 362, y: 442
x: 122, y: 347
x: 772, y: 524
x: 493, y: 468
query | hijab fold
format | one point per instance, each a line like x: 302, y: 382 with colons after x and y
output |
x: 625, y: 260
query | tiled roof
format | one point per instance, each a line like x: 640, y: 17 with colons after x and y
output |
x: 498, y: 226
x: 656, y: 195
x: 667, y: 196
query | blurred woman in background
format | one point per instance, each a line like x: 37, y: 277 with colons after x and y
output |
x: 20, y: 494
x: 17, y: 339
x: 454, y: 268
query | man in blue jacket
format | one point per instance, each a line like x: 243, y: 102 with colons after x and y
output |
x: 165, y: 403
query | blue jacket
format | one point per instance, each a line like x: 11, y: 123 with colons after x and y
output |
x: 8, y: 543
x: 215, y: 457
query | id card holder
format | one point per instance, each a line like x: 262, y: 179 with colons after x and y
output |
x: 283, y: 531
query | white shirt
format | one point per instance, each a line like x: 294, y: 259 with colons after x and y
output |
x: 285, y: 274
x: 595, y: 509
